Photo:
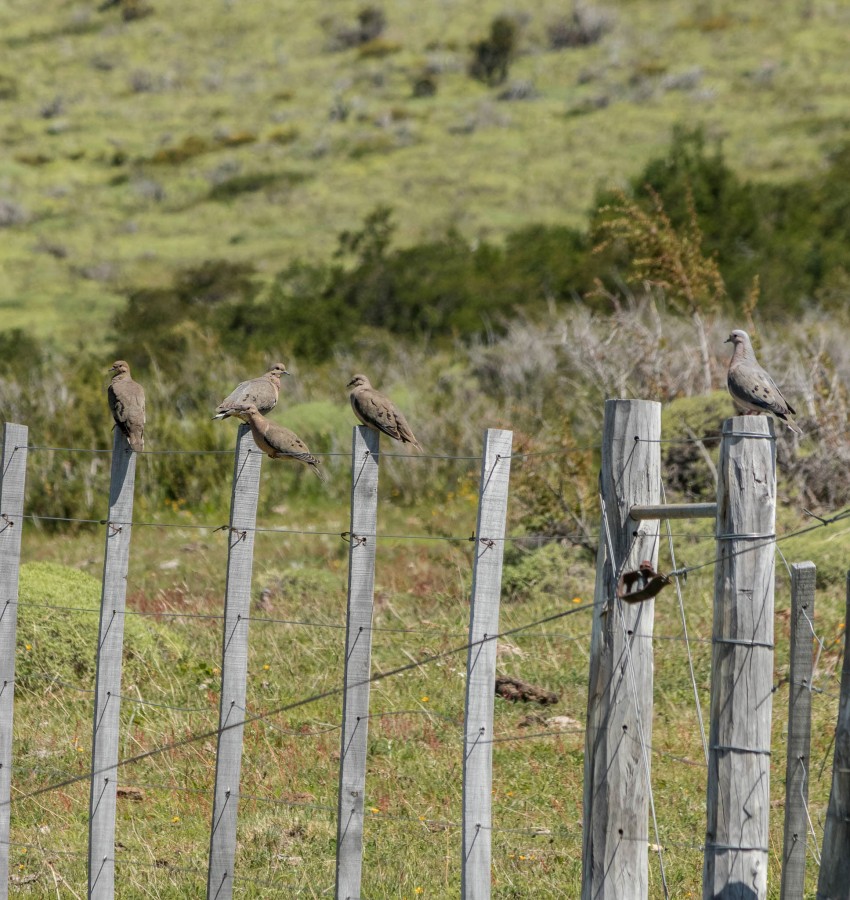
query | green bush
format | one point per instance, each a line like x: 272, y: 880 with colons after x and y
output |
x: 492, y: 56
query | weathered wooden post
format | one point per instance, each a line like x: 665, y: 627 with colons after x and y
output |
x: 365, y: 456
x: 834, y: 877
x: 799, y: 731
x: 481, y: 664
x: 738, y: 795
x: 13, y: 470
x: 619, y: 707
x: 107, y: 696
x: 234, y: 664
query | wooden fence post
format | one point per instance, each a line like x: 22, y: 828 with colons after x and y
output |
x: 365, y: 456
x: 799, y: 731
x: 234, y: 664
x: 107, y: 696
x: 738, y: 795
x: 481, y: 664
x: 619, y: 706
x: 13, y: 470
x: 834, y: 877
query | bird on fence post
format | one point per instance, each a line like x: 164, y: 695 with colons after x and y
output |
x: 262, y: 392
x: 127, y: 404
x: 753, y: 390
x: 278, y: 442
x: 379, y: 412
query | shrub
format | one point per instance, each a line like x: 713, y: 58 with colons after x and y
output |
x: 492, y: 56
x: 371, y: 22
x: 586, y: 25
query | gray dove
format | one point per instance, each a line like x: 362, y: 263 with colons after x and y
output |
x: 127, y: 405
x: 379, y: 412
x: 262, y: 392
x: 276, y: 441
x: 753, y: 390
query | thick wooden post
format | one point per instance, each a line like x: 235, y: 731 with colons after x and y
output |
x: 481, y: 664
x: 234, y: 664
x: 619, y: 706
x: 834, y: 878
x: 799, y: 731
x: 13, y: 470
x: 365, y: 455
x: 738, y: 795
x: 107, y: 696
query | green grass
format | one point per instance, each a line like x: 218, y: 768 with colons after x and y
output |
x: 94, y: 102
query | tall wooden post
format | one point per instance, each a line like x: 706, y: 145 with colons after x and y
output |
x: 481, y: 665
x: 365, y: 455
x: 834, y: 877
x: 738, y: 795
x: 234, y: 665
x: 619, y: 706
x: 107, y: 696
x: 13, y: 470
x: 799, y: 731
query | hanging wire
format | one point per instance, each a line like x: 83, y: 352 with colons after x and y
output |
x: 681, y: 603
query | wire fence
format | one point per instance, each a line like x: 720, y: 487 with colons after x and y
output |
x: 447, y: 724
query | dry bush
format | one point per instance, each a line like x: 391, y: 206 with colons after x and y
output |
x: 586, y: 25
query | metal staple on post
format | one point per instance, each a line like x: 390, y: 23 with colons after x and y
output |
x: 234, y: 664
x: 13, y: 470
x: 481, y: 665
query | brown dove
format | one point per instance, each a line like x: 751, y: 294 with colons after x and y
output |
x: 379, y: 412
x: 127, y: 405
x: 262, y: 392
x: 753, y: 390
x: 276, y: 441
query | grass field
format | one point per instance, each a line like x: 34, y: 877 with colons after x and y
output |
x: 230, y: 129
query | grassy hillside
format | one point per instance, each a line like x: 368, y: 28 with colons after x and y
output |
x: 233, y: 129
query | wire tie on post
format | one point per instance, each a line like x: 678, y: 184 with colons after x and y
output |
x: 114, y: 529
x: 242, y: 535
x: 714, y: 846
x: 7, y: 520
x: 489, y: 543
x: 740, y: 643
x: 752, y: 434
x: 723, y: 748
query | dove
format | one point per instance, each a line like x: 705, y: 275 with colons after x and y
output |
x: 127, y: 404
x: 379, y: 412
x: 275, y: 440
x: 753, y: 390
x: 262, y: 392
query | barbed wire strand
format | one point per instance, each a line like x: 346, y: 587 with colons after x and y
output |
x: 313, y: 698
